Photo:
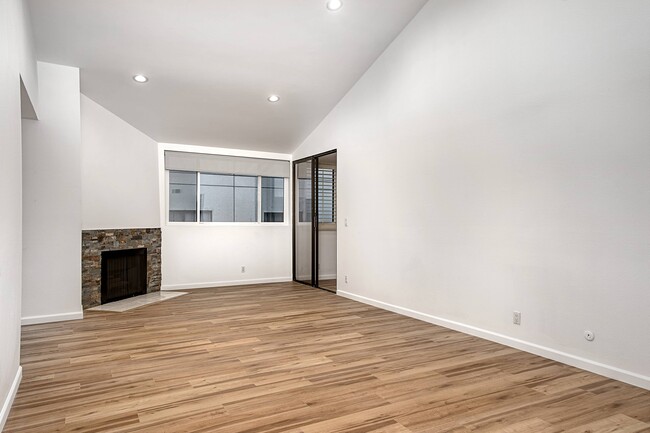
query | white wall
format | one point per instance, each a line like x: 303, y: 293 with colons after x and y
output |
x: 16, y: 60
x: 119, y: 166
x: 52, y: 200
x: 21, y: 45
x: 210, y: 255
x: 496, y: 158
x: 203, y: 256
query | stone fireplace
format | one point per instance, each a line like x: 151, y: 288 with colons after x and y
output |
x: 94, y: 242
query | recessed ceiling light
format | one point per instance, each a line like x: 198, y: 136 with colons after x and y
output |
x: 334, y: 5
x: 140, y: 78
x: 273, y: 98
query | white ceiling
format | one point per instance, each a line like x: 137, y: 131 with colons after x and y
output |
x: 213, y: 63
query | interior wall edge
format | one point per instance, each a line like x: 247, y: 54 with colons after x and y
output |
x: 27, y: 106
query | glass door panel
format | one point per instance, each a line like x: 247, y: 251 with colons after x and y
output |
x: 326, y: 221
x: 303, y: 196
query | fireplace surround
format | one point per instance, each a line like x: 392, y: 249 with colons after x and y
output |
x: 94, y: 242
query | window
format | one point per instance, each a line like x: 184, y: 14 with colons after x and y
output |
x: 228, y: 198
x: 304, y: 200
x: 225, y: 197
x: 182, y: 196
x: 272, y: 199
x: 213, y: 188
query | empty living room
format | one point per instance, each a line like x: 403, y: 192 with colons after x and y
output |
x: 325, y: 216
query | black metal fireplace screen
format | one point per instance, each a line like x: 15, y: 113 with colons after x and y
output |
x: 124, y: 274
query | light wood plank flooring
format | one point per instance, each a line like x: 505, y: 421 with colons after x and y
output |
x: 288, y: 358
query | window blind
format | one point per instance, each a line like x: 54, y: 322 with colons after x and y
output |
x: 326, y: 195
x: 222, y: 164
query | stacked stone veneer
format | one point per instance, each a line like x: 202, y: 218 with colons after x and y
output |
x: 93, y: 242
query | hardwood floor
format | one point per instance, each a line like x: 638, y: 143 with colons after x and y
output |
x: 288, y: 358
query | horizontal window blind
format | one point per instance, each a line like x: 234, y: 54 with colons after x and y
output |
x: 326, y: 195
x: 222, y: 164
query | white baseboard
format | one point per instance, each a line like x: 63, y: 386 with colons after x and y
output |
x: 547, y: 352
x: 6, y: 405
x: 50, y: 318
x: 225, y: 283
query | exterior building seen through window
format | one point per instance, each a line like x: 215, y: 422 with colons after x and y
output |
x: 225, y: 197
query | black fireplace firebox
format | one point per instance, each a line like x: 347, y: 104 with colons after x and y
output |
x: 124, y: 274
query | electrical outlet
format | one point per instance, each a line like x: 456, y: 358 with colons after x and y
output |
x: 346, y: 222
x: 243, y: 269
x: 589, y: 336
x: 346, y: 279
x: 516, y: 317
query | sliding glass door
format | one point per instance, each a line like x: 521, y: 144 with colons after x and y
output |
x: 315, y: 221
x: 326, y: 222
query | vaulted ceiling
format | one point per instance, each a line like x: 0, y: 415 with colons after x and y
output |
x: 212, y: 64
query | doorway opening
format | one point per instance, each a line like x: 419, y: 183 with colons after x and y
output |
x: 315, y: 221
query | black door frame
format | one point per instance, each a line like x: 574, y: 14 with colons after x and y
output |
x: 314, y: 217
